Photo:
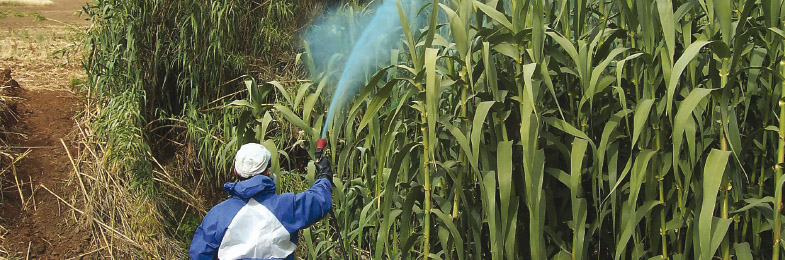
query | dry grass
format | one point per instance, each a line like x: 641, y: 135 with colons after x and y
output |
x: 41, y: 57
x: 8, y: 158
x: 118, y: 217
x: 25, y: 2
x: 126, y: 223
x: 40, y: 43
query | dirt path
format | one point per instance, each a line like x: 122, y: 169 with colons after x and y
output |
x: 44, y: 224
x: 36, y: 223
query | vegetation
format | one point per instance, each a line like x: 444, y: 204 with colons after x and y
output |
x: 569, y: 129
x: 560, y: 130
x: 37, y: 16
x: 160, y: 93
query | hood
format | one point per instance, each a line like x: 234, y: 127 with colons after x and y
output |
x: 250, y: 187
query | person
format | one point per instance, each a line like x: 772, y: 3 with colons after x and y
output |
x: 257, y: 223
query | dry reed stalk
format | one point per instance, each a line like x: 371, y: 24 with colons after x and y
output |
x: 32, y: 194
x: 120, y: 234
x: 84, y: 136
x: 88, y: 253
x: 13, y: 171
x: 13, y: 187
x: 76, y: 170
x: 185, y: 212
x: 16, y: 180
x: 29, y: 147
x: 169, y: 182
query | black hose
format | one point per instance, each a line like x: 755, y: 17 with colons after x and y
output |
x: 334, y: 222
x: 333, y: 219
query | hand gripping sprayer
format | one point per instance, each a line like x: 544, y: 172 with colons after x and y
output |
x: 320, y: 145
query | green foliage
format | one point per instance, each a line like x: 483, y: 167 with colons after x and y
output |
x: 561, y: 130
x: 544, y: 130
x: 126, y: 150
x: 77, y: 82
x: 180, y: 73
x: 37, y: 16
x: 185, y: 231
x: 162, y: 73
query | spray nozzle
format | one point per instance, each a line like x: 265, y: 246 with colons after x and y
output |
x: 320, y: 144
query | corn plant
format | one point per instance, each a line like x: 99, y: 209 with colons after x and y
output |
x: 572, y: 129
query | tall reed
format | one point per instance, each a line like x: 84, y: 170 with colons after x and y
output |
x: 651, y: 120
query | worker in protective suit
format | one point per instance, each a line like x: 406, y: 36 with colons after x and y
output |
x: 257, y: 223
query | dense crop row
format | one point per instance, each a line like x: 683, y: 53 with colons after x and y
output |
x: 567, y: 129
x: 158, y: 75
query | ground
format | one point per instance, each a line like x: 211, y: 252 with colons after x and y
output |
x: 39, y: 44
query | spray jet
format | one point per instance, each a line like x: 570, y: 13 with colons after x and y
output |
x: 371, y: 51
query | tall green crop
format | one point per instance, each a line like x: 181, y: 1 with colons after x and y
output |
x: 572, y: 129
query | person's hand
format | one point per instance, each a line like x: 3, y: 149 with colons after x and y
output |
x: 323, y: 169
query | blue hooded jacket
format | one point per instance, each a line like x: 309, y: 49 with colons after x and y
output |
x: 256, y: 223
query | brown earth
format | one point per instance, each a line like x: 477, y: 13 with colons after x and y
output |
x: 60, y: 13
x: 37, y: 224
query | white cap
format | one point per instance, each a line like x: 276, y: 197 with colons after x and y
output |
x: 251, y: 159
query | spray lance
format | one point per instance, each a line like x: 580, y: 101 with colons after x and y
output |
x: 320, y: 145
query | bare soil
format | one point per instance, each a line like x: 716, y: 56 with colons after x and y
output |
x: 40, y: 222
x: 60, y: 13
x: 37, y: 224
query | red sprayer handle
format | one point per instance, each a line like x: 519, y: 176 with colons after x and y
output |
x: 320, y: 144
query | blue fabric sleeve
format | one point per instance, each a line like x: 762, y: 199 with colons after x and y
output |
x: 204, y: 246
x: 313, y: 204
x: 209, y: 234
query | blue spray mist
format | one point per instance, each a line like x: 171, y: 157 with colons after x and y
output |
x: 380, y: 35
